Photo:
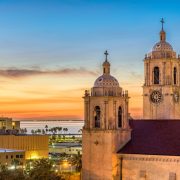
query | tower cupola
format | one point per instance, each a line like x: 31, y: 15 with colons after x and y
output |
x: 162, y: 49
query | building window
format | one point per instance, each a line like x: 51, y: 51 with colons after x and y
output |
x: 21, y: 156
x: 156, y: 75
x: 142, y: 174
x: 17, y: 156
x: 6, y: 156
x: 175, y: 75
x: 120, y: 117
x: 11, y: 156
x: 97, y: 116
x: 172, y: 176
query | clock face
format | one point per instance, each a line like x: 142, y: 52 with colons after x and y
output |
x: 156, y: 97
x: 176, y: 96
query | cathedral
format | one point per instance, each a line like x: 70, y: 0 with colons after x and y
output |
x: 115, y: 147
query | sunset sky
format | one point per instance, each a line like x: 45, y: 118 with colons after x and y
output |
x: 52, y: 50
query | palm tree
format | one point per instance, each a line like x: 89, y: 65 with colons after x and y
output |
x: 15, y: 163
x: 76, y: 160
x: 43, y: 131
x: 80, y: 131
x: 59, y: 129
x: 55, y: 130
x: 25, y: 130
x: 46, y: 127
x: 65, y: 129
x: 39, y: 131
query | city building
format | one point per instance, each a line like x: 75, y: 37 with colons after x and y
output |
x: 8, y: 124
x: 114, y: 147
x: 12, y: 158
x: 66, y: 147
x: 35, y: 146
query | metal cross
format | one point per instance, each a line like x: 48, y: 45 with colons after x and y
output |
x: 106, y: 54
x: 162, y: 21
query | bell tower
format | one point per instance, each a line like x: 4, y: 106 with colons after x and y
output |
x: 106, y: 127
x: 161, y: 81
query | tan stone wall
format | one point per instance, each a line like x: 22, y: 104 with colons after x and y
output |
x: 150, y: 167
x: 168, y: 108
x: 100, y: 160
x: 34, y: 145
x: 109, y: 111
x: 100, y: 144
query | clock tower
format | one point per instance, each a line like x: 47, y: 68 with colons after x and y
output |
x: 161, y: 88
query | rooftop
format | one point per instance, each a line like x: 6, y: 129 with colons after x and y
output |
x: 154, y: 137
x: 10, y: 150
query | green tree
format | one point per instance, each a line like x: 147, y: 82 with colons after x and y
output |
x: 15, y: 163
x: 65, y: 130
x: 59, y: 129
x: 38, y: 131
x: 46, y: 126
x: 25, y: 130
x: 43, y: 170
x: 16, y: 174
x: 76, y: 160
x: 80, y: 131
x: 43, y: 131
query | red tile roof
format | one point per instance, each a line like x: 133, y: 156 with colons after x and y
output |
x: 154, y: 137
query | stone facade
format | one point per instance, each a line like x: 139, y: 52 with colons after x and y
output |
x: 162, y: 82
x: 106, y: 127
x: 151, y: 167
x: 108, y: 150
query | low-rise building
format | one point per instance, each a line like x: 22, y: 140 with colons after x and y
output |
x: 8, y: 124
x: 35, y: 146
x: 12, y: 158
x: 68, y: 148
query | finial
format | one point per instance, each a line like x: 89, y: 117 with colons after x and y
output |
x: 106, y: 54
x: 162, y: 32
x: 162, y: 21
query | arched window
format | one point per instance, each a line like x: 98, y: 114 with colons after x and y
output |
x: 120, y: 117
x: 97, y: 116
x: 156, y: 75
x: 175, y: 74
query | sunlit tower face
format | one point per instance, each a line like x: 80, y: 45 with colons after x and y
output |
x: 162, y: 87
x: 106, y: 126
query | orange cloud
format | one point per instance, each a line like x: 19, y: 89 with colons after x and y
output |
x: 54, y: 94
x: 16, y: 72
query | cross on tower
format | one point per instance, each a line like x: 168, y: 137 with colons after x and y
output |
x: 106, y: 54
x: 162, y: 21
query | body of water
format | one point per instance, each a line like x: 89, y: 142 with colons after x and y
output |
x: 73, y: 126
